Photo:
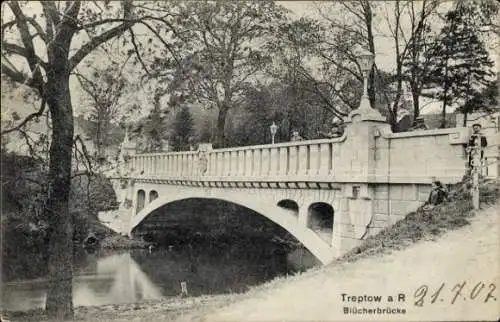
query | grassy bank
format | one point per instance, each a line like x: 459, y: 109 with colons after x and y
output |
x: 425, y: 225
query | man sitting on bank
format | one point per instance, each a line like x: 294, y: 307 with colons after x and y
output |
x: 436, y: 196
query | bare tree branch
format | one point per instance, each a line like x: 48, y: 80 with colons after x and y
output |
x: 27, y: 119
x: 27, y: 41
x: 21, y: 78
x: 22, y: 51
x: 136, y: 50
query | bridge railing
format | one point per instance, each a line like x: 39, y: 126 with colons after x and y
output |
x: 302, y: 160
x: 386, y: 157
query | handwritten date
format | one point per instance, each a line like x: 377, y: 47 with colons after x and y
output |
x: 462, y: 291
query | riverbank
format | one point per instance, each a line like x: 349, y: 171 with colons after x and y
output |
x: 470, y: 242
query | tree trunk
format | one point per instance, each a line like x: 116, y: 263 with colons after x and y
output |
x: 220, y: 137
x: 465, y: 119
x: 445, y: 103
x: 59, y: 303
x: 416, y: 103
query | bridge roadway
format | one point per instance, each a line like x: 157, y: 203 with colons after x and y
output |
x: 350, y: 187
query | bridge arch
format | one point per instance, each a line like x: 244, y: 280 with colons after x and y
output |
x: 285, y: 218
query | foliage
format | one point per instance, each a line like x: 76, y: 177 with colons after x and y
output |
x: 485, y: 101
x: 459, y: 65
x: 25, y: 227
x: 104, y: 87
x: 220, y: 52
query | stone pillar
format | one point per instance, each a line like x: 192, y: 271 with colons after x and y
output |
x: 356, y: 165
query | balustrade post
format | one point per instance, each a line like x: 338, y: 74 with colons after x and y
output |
x: 274, y: 162
x: 183, y: 165
x: 249, y: 162
x: 241, y: 163
x: 220, y: 164
x: 283, y: 155
x: 303, y: 159
x: 293, y: 158
x: 257, y: 162
x: 146, y: 165
x: 227, y: 164
x: 325, y: 154
x: 189, y: 161
x: 169, y: 165
x: 314, y: 160
x: 264, y: 170
x: 176, y: 165
x: 234, y: 163
x: 155, y: 165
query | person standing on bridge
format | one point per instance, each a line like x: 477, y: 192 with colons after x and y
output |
x: 476, y: 138
x: 296, y: 136
x: 336, y: 131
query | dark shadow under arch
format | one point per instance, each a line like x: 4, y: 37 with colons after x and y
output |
x: 141, y: 200
x: 289, y: 205
x: 153, y: 194
x: 320, y: 219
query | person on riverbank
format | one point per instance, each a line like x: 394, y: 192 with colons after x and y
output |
x: 437, y: 195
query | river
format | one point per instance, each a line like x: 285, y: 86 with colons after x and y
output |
x: 111, y: 277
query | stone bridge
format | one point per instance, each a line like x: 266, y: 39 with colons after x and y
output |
x: 330, y: 194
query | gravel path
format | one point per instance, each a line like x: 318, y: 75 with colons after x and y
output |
x: 468, y: 255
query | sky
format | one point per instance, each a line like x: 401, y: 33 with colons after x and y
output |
x: 384, y: 58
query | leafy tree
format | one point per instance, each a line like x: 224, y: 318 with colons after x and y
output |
x: 220, y: 53
x: 349, y: 28
x: 459, y: 65
x: 154, y: 127
x: 183, y: 130
x: 44, y: 43
x: 104, y: 87
x: 485, y: 101
x: 410, y: 41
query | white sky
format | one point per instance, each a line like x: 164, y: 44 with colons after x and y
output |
x: 385, y: 56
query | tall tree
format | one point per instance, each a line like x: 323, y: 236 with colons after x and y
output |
x: 183, y: 129
x: 44, y: 43
x: 104, y: 87
x: 221, y: 51
x: 459, y: 64
x: 409, y: 45
x: 351, y: 26
x: 295, y: 50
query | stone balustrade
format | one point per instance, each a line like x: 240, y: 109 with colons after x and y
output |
x: 293, y: 161
x: 388, y: 157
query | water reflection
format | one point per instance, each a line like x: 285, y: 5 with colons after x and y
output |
x: 136, y: 276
